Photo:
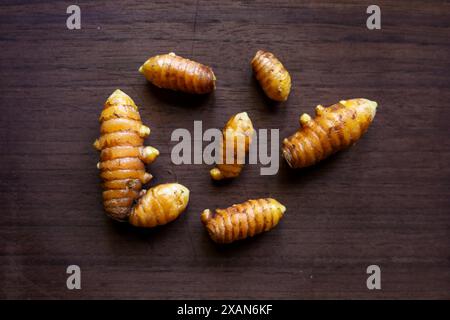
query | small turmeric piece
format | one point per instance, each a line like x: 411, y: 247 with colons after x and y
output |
x: 242, y: 220
x: 237, y: 136
x: 173, y: 72
x: 333, y: 129
x: 160, y: 205
x: 122, y: 168
x: 271, y: 75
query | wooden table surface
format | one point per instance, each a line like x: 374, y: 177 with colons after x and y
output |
x: 384, y: 202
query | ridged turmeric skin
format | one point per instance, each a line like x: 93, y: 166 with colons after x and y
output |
x: 271, y: 75
x: 242, y: 220
x: 237, y: 136
x: 333, y: 129
x: 160, y: 205
x: 173, y: 72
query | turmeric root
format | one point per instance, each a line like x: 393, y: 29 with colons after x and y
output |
x: 160, y: 205
x: 123, y: 156
x: 242, y: 220
x: 271, y: 75
x: 122, y: 168
x: 176, y: 73
x: 237, y: 136
x: 333, y: 129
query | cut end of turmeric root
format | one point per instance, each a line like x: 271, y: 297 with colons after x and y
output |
x: 361, y: 105
x: 332, y: 129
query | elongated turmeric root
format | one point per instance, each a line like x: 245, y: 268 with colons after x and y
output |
x: 271, y: 75
x: 242, y: 220
x: 176, y: 73
x: 123, y: 156
x: 160, y: 205
x: 237, y: 136
x: 333, y: 129
x: 122, y: 168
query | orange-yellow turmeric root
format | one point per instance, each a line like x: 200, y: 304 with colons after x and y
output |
x: 122, y: 154
x: 160, y: 205
x: 237, y: 136
x: 333, y: 129
x: 173, y: 72
x: 122, y: 168
x: 271, y: 75
x: 242, y: 220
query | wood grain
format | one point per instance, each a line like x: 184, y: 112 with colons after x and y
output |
x: 384, y: 202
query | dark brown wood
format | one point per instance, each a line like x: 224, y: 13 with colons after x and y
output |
x: 384, y: 202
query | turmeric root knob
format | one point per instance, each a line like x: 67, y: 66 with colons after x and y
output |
x: 333, y: 129
x: 123, y: 156
x: 160, y: 205
x: 237, y: 136
x: 176, y: 73
x: 271, y: 75
x: 242, y: 220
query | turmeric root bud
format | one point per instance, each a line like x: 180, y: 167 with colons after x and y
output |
x: 333, y: 129
x: 160, y: 205
x: 237, y: 136
x: 149, y: 154
x: 242, y: 220
x: 173, y: 72
x: 271, y: 75
x: 144, y: 131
